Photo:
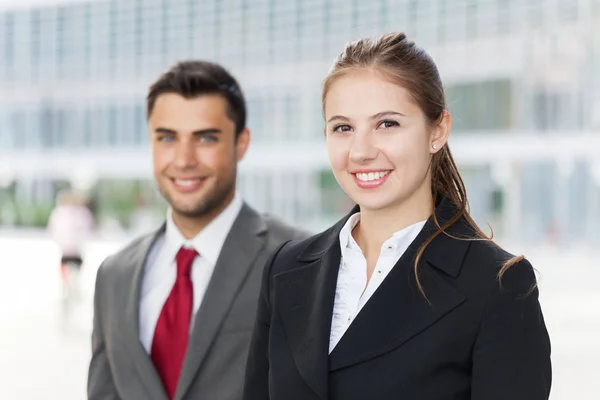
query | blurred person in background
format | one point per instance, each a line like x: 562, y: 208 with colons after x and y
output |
x: 405, y: 297
x: 70, y: 225
x: 174, y: 310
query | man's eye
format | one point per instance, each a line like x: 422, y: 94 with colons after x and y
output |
x: 207, y: 138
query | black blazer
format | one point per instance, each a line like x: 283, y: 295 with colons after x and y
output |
x: 479, y: 339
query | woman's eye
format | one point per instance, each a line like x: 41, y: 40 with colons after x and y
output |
x: 388, y: 124
x: 342, y: 128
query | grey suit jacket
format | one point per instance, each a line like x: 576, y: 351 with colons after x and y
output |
x: 215, y: 361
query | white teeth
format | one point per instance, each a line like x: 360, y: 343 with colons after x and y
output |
x: 371, y: 176
x: 186, y: 182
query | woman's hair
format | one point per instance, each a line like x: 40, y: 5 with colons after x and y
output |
x: 405, y: 64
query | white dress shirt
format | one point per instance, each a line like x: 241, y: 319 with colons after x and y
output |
x: 352, y: 290
x: 160, y: 270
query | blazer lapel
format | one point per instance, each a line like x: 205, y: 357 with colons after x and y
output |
x: 139, y: 356
x: 305, y: 301
x: 398, y: 311
x: 243, y: 244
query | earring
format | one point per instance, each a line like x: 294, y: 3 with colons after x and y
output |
x: 435, y: 146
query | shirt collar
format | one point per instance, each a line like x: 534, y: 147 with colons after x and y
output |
x: 346, y: 238
x: 208, y: 242
x: 398, y: 242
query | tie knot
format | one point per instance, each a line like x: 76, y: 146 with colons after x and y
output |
x: 185, y: 258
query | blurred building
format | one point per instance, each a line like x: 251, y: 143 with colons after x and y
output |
x: 522, y: 84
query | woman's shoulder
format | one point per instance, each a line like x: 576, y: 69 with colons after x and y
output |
x: 499, y: 266
x: 296, y: 253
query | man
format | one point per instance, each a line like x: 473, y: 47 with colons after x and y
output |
x: 174, y: 311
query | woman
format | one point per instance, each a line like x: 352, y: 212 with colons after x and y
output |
x: 405, y: 297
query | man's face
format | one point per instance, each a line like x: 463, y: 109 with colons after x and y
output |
x: 195, y: 153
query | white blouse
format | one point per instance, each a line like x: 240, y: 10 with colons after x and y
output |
x: 352, y: 290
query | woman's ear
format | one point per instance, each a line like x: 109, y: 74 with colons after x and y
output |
x: 440, y: 133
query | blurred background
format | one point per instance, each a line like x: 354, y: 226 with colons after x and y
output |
x: 523, y: 86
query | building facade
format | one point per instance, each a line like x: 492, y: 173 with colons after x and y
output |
x: 520, y: 79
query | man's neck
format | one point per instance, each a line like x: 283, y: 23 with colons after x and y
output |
x: 190, y: 227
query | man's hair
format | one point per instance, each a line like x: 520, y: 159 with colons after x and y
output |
x: 193, y: 78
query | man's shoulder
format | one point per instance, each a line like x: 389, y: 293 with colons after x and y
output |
x: 128, y: 256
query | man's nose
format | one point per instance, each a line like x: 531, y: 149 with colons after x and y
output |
x: 186, y: 154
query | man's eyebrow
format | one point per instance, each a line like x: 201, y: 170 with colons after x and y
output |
x: 207, y: 131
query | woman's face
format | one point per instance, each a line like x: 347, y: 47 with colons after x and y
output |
x: 377, y: 139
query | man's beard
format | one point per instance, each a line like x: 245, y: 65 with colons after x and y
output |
x: 213, y: 200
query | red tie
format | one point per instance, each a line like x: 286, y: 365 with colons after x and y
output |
x: 173, y: 326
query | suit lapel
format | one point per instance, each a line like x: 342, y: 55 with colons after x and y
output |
x: 305, y: 299
x: 139, y: 356
x: 397, y: 311
x: 243, y: 244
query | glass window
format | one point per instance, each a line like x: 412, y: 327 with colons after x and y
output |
x: 9, y: 43
x: 472, y: 25
x: 536, y: 14
x: 22, y: 52
x: 443, y: 29
x: 34, y: 128
x: 35, y: 28
x: 113, y: 39
x: 124, y: 39
x: 18, y: 128
x: 152, y: 35
x: 71, y: 129
x: 114, y: 128
x: 48, y: 44
x: 504, y: 16
x: 6, y: 133
x: 481, y: 105
x: 256, y: 114
x: 284, y: 31
x: 47, y: 124
x: 176, y: 30
x: 595, y: 8
x: 229, y: 32
x: 100, y: 40
x: 568, y: 10
x: 75, y: 42
x: 487, y: 18
x: 452, y: 20
x: 395, y: 15
x: 61, y: 38
x: 139, y: 123
x: 256, y: 34
x: 340, y: 21
x: 86, y: 40
x: 60, y: 127
x: 127, y: 124
x: 368, y: 17
x: 87, y: 126
x: 425, y: 24
x: 205, y: 31
x: 100, y: 125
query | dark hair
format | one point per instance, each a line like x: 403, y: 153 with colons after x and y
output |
x: 406, y: 64
x: 194, y: 78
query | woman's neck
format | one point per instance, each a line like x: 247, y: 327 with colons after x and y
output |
x: 377, y: 226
